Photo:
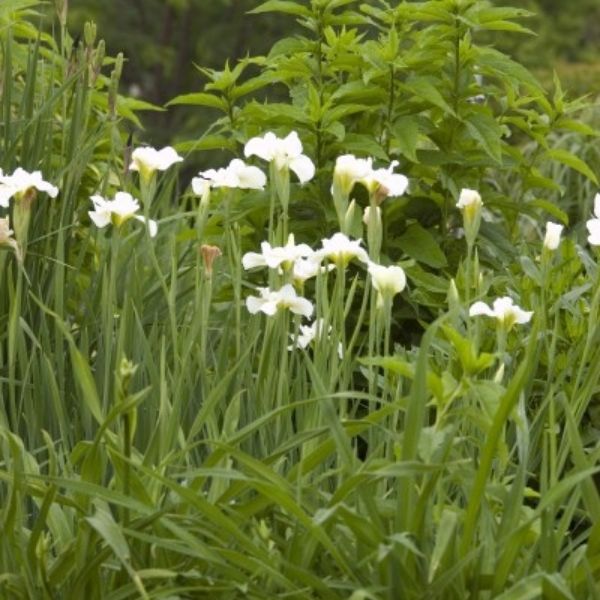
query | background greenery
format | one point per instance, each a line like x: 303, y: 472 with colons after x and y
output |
x: 162, y: 40
x: 439, y: 457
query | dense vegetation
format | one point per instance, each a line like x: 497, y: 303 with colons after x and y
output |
x: 358, y: 357
x: 162, y: 42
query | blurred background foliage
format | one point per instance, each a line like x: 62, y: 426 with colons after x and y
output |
x: 163, y: 40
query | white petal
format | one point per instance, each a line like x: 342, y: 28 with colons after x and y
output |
x: 152, y: 225
x: 100, y: 219
x: 200, y: 186
x: 468, y: 197
x: 481, y: 308
x: 597, y: 206
x: 302, y: 306
x: 250, y: 260
x: 522, y: 316
x: 553, y: 233
x: 292, y: 146
x: 254, y: 304
x: 261, y: 147
x: 303, y: 167
x: 6, y: 193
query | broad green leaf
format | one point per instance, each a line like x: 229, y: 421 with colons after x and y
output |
x: 420, y: 244
x: 199, y: 99
x: 406, y: 136
x: 568, y: 158
x: 426, y: 91
x: 282, y: 6
x: 484, y: 128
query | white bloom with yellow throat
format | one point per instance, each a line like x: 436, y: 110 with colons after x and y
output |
x: 340, y: 249
x: 271, y: 301
x: 236, y: 175
x: 350, y: 170
x: 21, y: 183
x: 276, y: 256
x: 387, y: 281
x: 147, y: 160
x: 384, y: 183
x: 286, y: 153
x: 504, y: 310
x: 117, y: 211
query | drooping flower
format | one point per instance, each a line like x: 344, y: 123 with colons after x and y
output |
x: 277, y: 256
x: 387, y: 281
x: 147, y: 160
x: 553, y: 233
x: 593, y: 225
x: 237, y: 175
x: 270, y: 301
x: 117, y: 211
x: 286, y: 153
x: 340, y: 249
x: 6, y: 237
x: 21, y: 184
x: 504, y: 310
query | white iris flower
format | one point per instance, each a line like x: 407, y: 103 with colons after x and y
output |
x: 117, y: 211
x: 286, y: 153
x: 340, y: 249
x: 270, y: 301
x: 350, y: 170
x: 387, y: 281
x: 237, y: 175
x: 147, y: 160
x: 276, y: 256
x: 21, y: 183
x: 504, y: 310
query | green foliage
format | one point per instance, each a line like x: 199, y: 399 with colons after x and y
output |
x: 159, y: 441
x: 409, y: 83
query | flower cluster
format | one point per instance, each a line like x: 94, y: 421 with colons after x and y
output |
x: 302, y: 262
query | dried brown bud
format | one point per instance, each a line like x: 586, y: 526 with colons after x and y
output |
x: 209, y: 254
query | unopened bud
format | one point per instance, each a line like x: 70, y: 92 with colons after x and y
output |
x: 99, y: 55
x: 89, y: 33
x: 62, y: 8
